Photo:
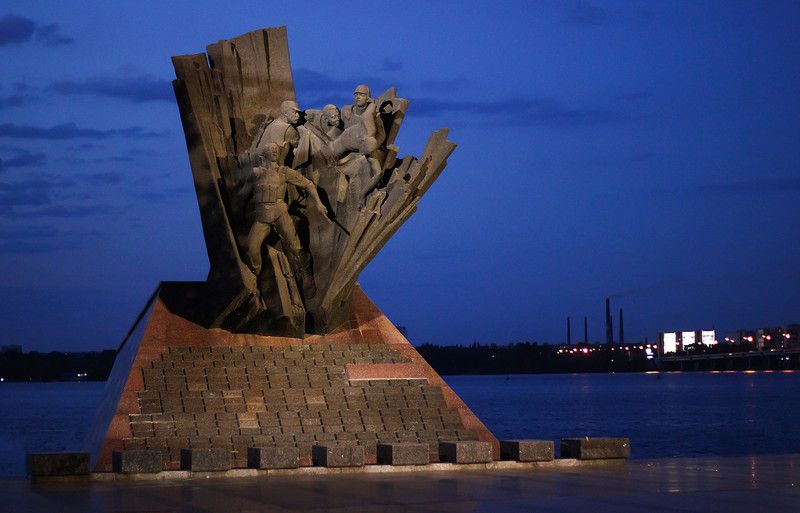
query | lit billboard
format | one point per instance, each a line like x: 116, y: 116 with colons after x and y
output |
x: 708, y: 338
x: 670, y: 343
x: 687, y: 339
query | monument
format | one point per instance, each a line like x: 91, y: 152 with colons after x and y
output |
x: 279, y: 348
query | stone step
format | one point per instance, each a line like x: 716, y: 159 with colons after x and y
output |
x: 595, y: 448
x: 526, y: 450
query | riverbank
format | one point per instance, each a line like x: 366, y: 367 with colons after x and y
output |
x: 709, y: 484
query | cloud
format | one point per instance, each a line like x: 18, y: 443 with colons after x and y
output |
x: 69, y: 211
x: 670, y: 283
x: 526, y: 112
x: 38, y: 239
x: 447, y: 85
x: 33, y: 198
x: 16, y: 29
x: 764, y: 185
x: 165, y: 194
x: 19, y: 29
x: 50, y: 35
x: 81, y: 147
x: 20, y: 157
x: 21, y: 94
x: 141, y: 152
x: 321, y: 89
x: 389, y: 64
x: 135, y: 89
x: 103, y: 178
x: 15, y: 100
x: 32, y: 192
x: 583, y: 14
x: 67, y: 131
x: 26, y: 247
x: 511, y: 112
x: 316, y: 89
x: 30, y: 239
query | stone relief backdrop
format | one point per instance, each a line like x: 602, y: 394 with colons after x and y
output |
x: 314, y: 215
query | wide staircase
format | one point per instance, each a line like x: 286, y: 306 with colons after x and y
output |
x: 298, y: 395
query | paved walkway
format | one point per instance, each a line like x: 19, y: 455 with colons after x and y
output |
x: 730, y: 485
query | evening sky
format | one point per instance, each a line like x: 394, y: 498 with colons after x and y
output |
x: 646, y: 151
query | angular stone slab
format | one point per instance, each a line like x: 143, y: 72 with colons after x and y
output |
x: 403, y: 454
x: 345, y: 455
x: 595, y: 448
x: 138, y: 461
x: 273, y: 457
x: 206, y: 459
x: 46, y: 464
x: 526, y: 450
x: 465, y: 452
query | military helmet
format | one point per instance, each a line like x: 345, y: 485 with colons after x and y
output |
x: 361, y: 88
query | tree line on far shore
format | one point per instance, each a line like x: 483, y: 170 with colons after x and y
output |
x: 475, y: 358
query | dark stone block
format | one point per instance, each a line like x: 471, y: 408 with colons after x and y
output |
x: 206, y: 459
x: 595, y: 448
x: 465, y: 452
x: 273, y: 457
x: 526, y: 450
x: 403, y: 454
x: 136, y: 462
x: 44, y: 464
x: 339, y: 455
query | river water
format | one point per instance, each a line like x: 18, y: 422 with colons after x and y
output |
x: 664, y: 415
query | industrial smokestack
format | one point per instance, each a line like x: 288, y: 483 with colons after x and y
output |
x: 569, y: 333
x: 585, y: 331
x: 621, y: 328
x: 609, y: 323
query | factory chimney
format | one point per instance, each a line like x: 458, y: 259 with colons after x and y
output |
x: 585, y: 331
x: 621, y: 328
x: 569, y: 333
x: 609, y: 323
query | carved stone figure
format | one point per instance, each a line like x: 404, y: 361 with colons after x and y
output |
x: 264, y: 219
x: 281, y: 131
x: 363, y: 132
x: 331, y: 121
x: 268, y: 186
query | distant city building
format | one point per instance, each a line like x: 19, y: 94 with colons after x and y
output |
x: 766, y: 338
x: 11, y: 348
x: 674, y: 341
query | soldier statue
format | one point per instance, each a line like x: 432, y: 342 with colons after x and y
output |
x: 268, y: 184
x: 281, y: 131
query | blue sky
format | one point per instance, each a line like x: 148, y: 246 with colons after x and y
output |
x: 643, y: 150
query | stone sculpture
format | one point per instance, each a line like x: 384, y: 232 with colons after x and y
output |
x: 287, y: 265
x: 293, y: 203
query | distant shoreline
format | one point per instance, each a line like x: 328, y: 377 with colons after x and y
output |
x: 474, y: 359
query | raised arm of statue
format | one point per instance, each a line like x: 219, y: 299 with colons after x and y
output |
x: 370, y: 142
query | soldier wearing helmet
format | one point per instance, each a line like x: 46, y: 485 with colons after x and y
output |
x: 361, y: 120
x: 281, y: 131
